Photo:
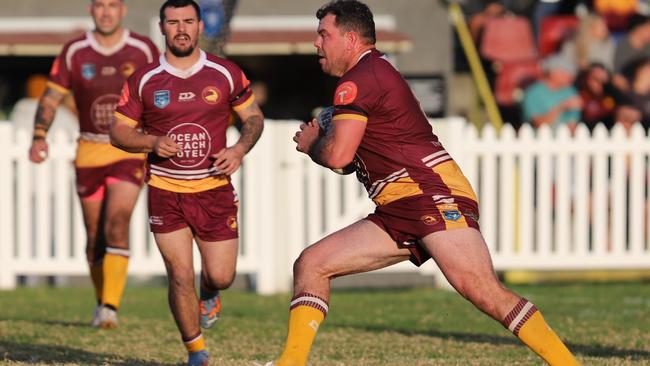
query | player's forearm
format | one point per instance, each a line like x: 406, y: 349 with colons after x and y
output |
x: 251, y: 132
x: 131, y: 140
x: 322, y: 152
x: 46, y: 111
x: 327, y: 153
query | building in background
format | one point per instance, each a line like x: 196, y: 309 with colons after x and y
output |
x: 272, y: 40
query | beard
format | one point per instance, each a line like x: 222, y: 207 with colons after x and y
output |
x: 181, y: 52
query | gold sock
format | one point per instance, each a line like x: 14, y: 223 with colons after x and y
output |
x: 195, y: 344
x: 116, y: 263
x: 97, y: 276
x: 527, y: 323
x: 307, y: 312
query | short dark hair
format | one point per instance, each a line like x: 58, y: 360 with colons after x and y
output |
x: 179, y: 4
x: 351, y: 15
x: 636, y: 20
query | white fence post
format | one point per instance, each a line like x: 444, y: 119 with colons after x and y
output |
x: 259, y: 223
x: 7, y: 213
x: 548, y: 202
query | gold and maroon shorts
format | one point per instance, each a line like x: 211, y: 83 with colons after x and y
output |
x: 92, y: 182
x: 211, y: 214
x: 410, y: 219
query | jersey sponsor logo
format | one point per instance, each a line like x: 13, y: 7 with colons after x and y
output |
x: 451, y: 215
x: 186, y: 97
x: 127, y: 69
x: 108, y: 70
x: 194, y: 142
x: 161, y: 98
x: 88, y: 71
x: 101, y: 112
x: 428, y: 219
x: 346, y: 93
x: 210, y: 95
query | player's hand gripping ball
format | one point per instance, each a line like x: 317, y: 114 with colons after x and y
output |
x: 324, y: 120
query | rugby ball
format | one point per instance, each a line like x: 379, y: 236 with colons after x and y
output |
x: 324, y: 120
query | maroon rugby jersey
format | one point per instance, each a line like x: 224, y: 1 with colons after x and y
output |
x: 95, y: 75
x: 399, y: 156
x: 193, y: 108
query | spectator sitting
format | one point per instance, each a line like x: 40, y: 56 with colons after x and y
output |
x: 493, y: 9
x: 592, y: 43
x: 553, y: 100
x: 627, y: 115
x: 598, y: 96
x: 639, y: 95
x: 634, y: 47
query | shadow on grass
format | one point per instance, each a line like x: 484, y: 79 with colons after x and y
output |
x: 592, y: 350
x: 49, y: 322
x: 51, y: 355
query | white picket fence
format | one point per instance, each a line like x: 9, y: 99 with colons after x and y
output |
x: 547, y: 202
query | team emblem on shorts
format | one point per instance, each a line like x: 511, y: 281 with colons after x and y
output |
x: 138, y: 174
x: 88, y: 71
x: 161, y: 98
x: 428, y: 219
x: 451, y: 215
x: 232, y: 223
x: 210, y: 95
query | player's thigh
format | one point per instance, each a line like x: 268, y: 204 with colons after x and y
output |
x: 91, y: 210
x: 463, y: 257
x: 176, y: 250
x: 219, y: 258
x: 121, y: 197
x: 360, y: 247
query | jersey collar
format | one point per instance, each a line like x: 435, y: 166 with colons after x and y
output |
x: 184, y: 74
x: 107, y: 51
x: 363, y: 54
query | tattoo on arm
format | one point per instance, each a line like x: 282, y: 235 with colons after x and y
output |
x: 46, y: 111
x: 251, y: 132
x: 321, y: 147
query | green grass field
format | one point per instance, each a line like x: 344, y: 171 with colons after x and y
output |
x: 604, y: 324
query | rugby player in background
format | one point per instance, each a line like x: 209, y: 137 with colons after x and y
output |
x: 93, y: 68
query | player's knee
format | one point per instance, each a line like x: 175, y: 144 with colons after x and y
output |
x: 117, y: 228
x: 220, y: 279
x: 181, y: 278
x: 307, y: 264
x: 483, y: 294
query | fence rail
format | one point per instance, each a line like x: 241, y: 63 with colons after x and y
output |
x: 548, y: 201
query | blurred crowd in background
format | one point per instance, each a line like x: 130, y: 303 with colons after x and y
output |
x: 554, y: 62
x: 548, y: 62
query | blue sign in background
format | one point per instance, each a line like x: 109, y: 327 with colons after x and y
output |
x: 214, y: 17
